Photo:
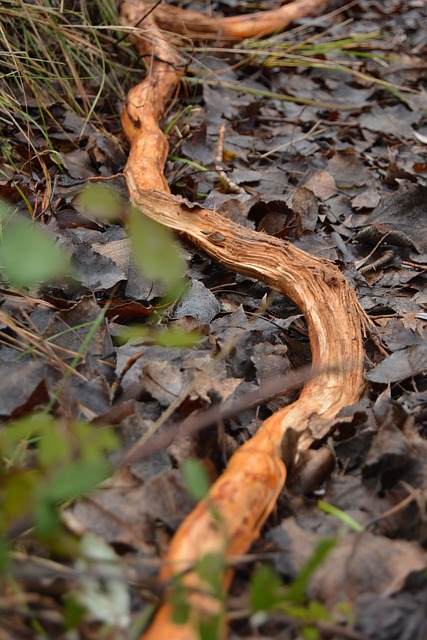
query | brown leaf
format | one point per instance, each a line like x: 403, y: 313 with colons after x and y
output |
x: 322, y: 184
x: 366, y: 563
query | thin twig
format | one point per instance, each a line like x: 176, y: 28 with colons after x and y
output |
x: 232, y: 186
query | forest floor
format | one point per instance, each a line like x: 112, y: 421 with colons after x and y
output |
x: 318, y: 136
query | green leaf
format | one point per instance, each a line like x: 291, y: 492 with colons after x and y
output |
x: 174, y: 337
x: 155, y: 250
x: 36, y: 493
x: 310, y: 633
x: 179, y: 602
x: 29, y: 256
x: 17, y: 495
x: 318, y: 611
x: 94, y: 441
x: 46, y: 518
x: 178, y: 338
x: 56, y: 440
x: 266, y: 590
x: 340, y: 515
x: 76, y: 479
x: 210, y: 628
x: 74, y: 612
x: 5, y: 549
x: 53, y: 447
x: 195, y: 478
x: 27, y: 428
x: 309, y: 613
x: 345, y: 612
x: 210, y: 568
x: 101, y: 202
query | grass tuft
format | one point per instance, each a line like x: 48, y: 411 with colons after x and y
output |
x: 57, y: 54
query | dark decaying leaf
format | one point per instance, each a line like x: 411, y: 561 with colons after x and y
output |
x: 316, y: 245
x: 400, y: 616
x: 22, y: 385
x: 400, y: 365
x: 311, y: 471
x: 101, y: 259
x: 349, y: 171
x: 402, y: 216
x: 368, y: 199
x: 390, y: 457
x: 68, y: 329
x: 83, y: 399
x: 395, y: 121
x: 306, y: 208
x: 166, y: 373
x: 398, y: 333
x: 130, y: 511
x: 95, y: 271
x: 197, y: 302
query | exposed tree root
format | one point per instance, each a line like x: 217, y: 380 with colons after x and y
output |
x: 198, y: 26
x: 239, y: 502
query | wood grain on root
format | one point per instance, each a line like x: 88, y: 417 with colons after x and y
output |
x: 198, y: 26
x: 239, y: 502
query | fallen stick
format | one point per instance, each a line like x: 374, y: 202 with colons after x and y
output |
x: 228, y: 520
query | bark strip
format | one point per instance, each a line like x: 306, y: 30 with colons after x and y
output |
x: 239, y: 502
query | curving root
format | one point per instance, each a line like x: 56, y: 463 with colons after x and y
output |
x: 238, y: 504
